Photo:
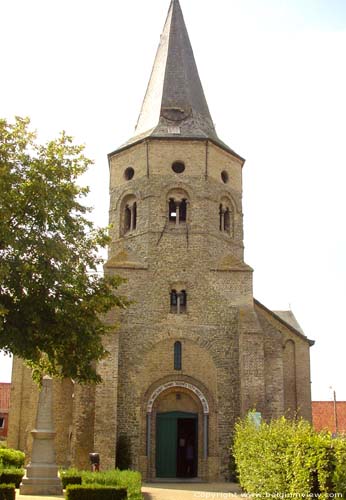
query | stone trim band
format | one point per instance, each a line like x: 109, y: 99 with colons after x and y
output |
x: 184, y: 385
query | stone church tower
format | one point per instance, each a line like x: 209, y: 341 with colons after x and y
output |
x: 194, y: 351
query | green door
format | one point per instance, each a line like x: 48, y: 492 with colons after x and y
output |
x: 167, y: 442
x: 166, y: 445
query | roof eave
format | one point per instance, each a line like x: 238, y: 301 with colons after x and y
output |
x: 280, y: 320
x: 220, y: 144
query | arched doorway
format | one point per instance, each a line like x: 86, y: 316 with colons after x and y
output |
x: 177, y: 430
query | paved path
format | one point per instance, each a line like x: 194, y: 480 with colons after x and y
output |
x: 191, y: 491
x: 173, y: 491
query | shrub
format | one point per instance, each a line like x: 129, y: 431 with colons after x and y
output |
x: 11, y: 476
x: 66, y: 480
x: 11, y: 458
x: 7, y: 492
x: 95, y: 492
x: 339, y: 478
x: 288, y: 458
x: 131, y: 480
x: 127, y: 479
x: 70, y: 476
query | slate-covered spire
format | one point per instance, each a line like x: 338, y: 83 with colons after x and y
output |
x: 174, y: 104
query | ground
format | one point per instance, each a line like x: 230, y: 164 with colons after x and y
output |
x: 173, y: 491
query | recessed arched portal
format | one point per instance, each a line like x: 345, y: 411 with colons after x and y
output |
x: 177, y: 429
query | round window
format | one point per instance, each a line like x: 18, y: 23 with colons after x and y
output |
x: 224, y: 176
x: 178, y: 167
x: 129, y: 173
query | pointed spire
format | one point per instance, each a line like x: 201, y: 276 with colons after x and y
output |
x: 174, y: 104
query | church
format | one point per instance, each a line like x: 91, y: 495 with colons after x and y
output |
x: 195, y: 350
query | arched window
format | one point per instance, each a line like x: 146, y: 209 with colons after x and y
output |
x: 178, y: 301
x: 128, y: 220
x: 177, y: 207
x: 227, y: 221
x: 225, y: 217
x: 177, y: 356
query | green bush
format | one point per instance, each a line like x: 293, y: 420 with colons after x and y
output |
x: 70, y: 476
x: 286, y: 457
x: 127, y: 479
x: 11, y: 476
x: 66, y: 480
x: 339, y: 478
x: 7, y: 492
x: 95, y: 492
x: 131, y: 480
x: 11, y: 458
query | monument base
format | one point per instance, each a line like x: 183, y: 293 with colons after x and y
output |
x: 41, y: 479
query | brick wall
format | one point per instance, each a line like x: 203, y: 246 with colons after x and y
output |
x: 325, y: 414
x: 5, y: 390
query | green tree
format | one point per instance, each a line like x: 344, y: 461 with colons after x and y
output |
x: 51, y: 297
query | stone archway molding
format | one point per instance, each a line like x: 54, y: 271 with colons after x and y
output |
x: 183, y: 385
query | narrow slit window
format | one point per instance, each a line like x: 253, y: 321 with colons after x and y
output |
x: 221, y: 217
x: 172, y: 210
x: 182, y: 211
x: 227, y: 221
x: 177, y: 356
x: 182, y: 301
x: 134, y: 215
x: 174, y: 301
x: 127, y: 219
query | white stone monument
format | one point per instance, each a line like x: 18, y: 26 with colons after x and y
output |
x: 41, y: 476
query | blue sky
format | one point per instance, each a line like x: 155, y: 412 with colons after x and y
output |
x: 274, y: 77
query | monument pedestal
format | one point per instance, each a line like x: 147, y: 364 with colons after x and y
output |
x: 41, y: 476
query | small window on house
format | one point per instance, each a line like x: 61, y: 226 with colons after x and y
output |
x: 177, y: 355
x: 178, y: 167
x: 178, y: 301
x: 129, y: 173
x: 2, y: 422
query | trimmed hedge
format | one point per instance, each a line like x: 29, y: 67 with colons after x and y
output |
x: 7, y: 492
x: 66, y: 480
x: 127, y: 479
x: 95, y: 492
x: 11, y: 476
x: 285, y: 457
x: 11, y: 458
